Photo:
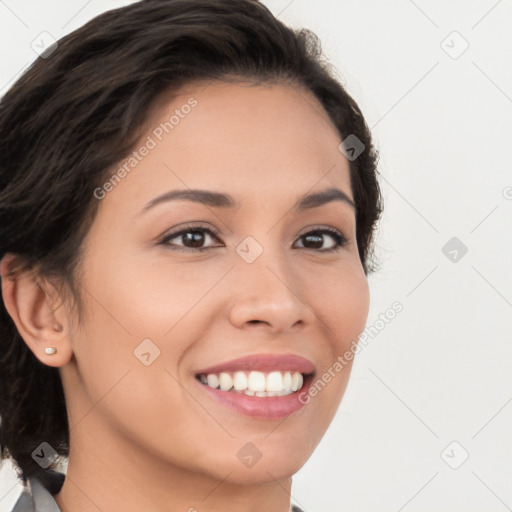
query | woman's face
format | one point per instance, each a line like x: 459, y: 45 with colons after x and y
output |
x: 241, y: 281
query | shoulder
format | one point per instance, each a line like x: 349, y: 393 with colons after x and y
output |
x: 37, y: 494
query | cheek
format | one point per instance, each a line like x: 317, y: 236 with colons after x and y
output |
x: 343, y: 310
x: 341, y: 301
x: 127, y: 304
x: 171, y: 304
x: 153, y: 297
x: 353, y: 306
x: 134, y: 299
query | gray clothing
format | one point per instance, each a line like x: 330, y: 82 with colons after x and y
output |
x: 37, y: 494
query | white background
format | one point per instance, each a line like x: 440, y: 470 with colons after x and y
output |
x: 440, y: 371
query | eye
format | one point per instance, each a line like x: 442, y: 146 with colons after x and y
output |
x: 193, y: 238
x: 316, y: 239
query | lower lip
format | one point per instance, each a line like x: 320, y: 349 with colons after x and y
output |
x: 266, y: 408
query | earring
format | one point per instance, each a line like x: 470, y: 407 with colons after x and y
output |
x: 50, y: 350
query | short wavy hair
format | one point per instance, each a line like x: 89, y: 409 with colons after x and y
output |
x: 78, y: 111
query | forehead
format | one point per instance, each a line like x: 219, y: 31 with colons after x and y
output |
x: 259, y: 141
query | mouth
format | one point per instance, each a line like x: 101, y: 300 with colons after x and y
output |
x: 264, y: 386
x: 256, y: 383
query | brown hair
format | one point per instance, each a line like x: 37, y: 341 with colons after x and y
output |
x: 78, y: 111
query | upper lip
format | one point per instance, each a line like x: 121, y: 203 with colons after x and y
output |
x: 263, y: 363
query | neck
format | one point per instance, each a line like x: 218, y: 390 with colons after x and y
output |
x: 109, y: 472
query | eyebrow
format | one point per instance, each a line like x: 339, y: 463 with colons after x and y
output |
x: 220, y: 200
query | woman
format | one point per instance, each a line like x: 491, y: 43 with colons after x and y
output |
x: 188, y: 198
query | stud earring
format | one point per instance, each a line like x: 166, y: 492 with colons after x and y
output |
x: 50, y: 350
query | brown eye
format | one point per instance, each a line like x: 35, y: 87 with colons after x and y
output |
x: 195, y: 238
x: 315, y: 239
x: 192, y: 237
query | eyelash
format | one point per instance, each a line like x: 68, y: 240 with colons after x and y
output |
x: 334, y: 233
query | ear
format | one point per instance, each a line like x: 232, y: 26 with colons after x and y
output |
x: 31, y: 303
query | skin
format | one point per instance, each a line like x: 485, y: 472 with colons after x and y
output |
x: 147, y: 437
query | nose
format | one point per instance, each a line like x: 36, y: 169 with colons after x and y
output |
x: 267, y: 295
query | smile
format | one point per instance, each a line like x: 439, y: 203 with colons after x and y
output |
x: 260, y: 384
x: 264, y: 386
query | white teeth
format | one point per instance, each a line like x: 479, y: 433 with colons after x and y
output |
x: 225, y: 381
x: 275, y: 381
x: 297, y: 381
x: 255, y: 383
x: 240, y: 381
x: 213, y: 380
x: 287, y: 381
